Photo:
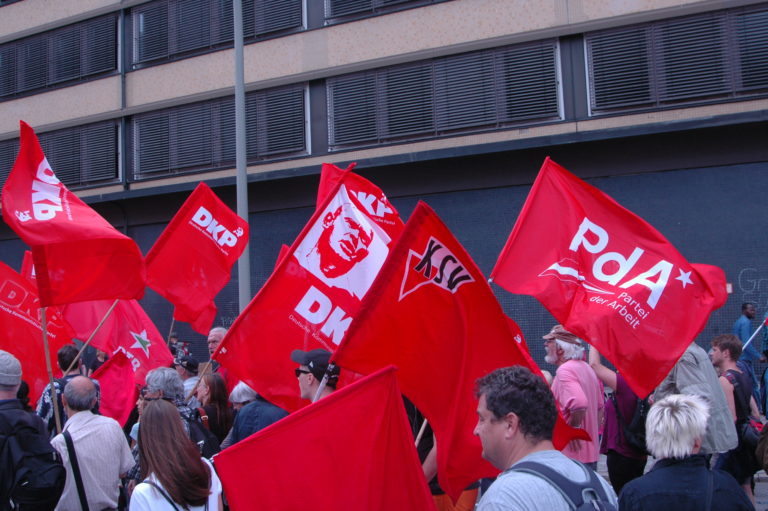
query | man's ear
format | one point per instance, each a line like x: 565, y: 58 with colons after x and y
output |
x: 512, y: 422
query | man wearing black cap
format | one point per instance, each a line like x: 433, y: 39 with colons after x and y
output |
x: 187, y: 368
x: 312, y: 367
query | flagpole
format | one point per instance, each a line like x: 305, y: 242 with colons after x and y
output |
x: 197, y: 383
x: 331, y: 367
x: 170, y: 330
x: 752, y: 337
x: 421, y: 432
x: 54, y: 402
x: 93, y: 334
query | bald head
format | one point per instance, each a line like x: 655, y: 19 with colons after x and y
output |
x: 80, y: 394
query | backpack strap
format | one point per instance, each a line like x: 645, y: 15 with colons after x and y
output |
x: 162, y: 492
x: 76, y: 470
x: 203, y: 418
x: 572, y: 492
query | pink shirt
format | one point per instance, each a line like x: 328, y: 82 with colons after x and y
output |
x: 576, y: 386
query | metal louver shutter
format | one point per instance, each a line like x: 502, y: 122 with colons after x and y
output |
x: 472, y: 91
x: 100, y: 43
x: 752, y: 44
x: 275, y: 15
x: 529, y: 83
x: 408, y: 100
x: 352, y: 108
x: 191, y: 27
x: 8, y: 151
x: 8, y: 70
x: 691, y: 57
x: 201, y: 136
x: 150, y: 32
x: 79, y: 156
x: 336, y: 8
x: 465, y: 91
x: 620, y: 68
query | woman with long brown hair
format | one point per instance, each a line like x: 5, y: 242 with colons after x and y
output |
x: 174, y: 476
x: 216, y: 413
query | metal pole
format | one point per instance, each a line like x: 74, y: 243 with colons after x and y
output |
x: 244, y: 263
x: 752, y: 337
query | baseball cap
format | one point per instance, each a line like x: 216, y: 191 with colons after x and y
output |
x: 10, y: 369
x: 316, y: 361
x: 188, y: 363
x: 558, y: 332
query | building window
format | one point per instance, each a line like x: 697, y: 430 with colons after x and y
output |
x: 80, y: 156
x: 335, y: 9
x: 707, y: 57
x: 64, y: 56
x: 173, y: 29
x: 201, y: 136
x: 490, y: 89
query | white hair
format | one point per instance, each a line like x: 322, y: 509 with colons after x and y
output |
x: 674, y: 424
x: 570, y: 351
x: 242, y: 393
x: 218, y: 330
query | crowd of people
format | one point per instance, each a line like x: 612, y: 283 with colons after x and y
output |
x: 701, y: 425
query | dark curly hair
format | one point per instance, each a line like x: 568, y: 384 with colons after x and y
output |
x: 516, y: 389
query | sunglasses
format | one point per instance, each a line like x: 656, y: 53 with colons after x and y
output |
x: 299, y: 372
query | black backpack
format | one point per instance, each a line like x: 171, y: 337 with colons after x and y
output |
x: 203, y: 438
x: 634, y: 432
x: 33, y: 474
x: 579, y: 496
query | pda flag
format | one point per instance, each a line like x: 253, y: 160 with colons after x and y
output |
x: 22, y: 333
x: 78, y: 255
x: 310, y: 299
x: 128, y: 329
x: 358, y: 448
x: 432, y: 314
x: 192, y: 259
x: 608, y: 276
x: 118, y: 388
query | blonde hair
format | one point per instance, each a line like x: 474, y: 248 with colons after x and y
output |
x: 674, y: 424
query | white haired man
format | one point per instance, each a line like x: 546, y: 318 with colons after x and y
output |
x: 681, y: 479
x: 215, y: 336
x: 578, y: 392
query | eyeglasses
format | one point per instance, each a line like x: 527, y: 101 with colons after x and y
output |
x: 299, y: 372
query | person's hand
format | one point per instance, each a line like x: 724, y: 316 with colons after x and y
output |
x: 763, y: 359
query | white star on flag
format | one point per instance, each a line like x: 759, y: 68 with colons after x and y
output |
x: 684, y: 277
x: 142, y: 341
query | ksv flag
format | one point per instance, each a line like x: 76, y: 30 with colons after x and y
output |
x: 128, y: 329
x: 315, y: 291
x: 433, y: 315
x: 78, y: 255
x: 608, y: 276
x: 356, y: 444
x: 22, y: 333
x: 192, y: 259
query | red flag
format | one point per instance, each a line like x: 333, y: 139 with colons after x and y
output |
x: 315, y: 291
x: 28, y: 267
x: 608, y: 276
x: 127, y: 329
x: 432, y: 313
x: 78, y: 255
x: 355, y: 446
x: 330, y: 177
x: 118, y: 389
x: 22, y: 333
x: 192, y: 259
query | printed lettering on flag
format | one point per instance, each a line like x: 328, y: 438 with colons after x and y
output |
x: 192, y: 259
x: 431, y: 313
x: 20, y: 322
x: 314, y: 292
x: 78, y: 255
x: 608, y: 276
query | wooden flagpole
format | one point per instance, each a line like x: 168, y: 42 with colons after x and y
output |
x: 93, y: 334
x: 54, y: 402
